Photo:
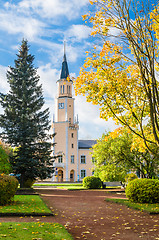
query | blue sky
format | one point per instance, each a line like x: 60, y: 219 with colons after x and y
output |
x: 46, y: 24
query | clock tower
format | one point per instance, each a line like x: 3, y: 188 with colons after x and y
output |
x: 66, y: 128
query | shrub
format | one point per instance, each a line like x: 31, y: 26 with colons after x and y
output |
x: 8, y: 187
x: 29, y: 183
x: 130, y: 176
x: 143, y: 191
x: 92, y: 182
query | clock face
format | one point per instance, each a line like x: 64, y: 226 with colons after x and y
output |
x: 61, y: 105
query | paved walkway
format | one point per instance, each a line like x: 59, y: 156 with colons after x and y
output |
x: 87, y: 216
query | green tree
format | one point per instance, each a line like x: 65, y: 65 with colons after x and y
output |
x: 114, y: 157
x: 5, y: 153
x: 25, y: 123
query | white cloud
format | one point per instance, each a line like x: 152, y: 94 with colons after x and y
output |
x: 48, y: 78
x: 3, y: 79
x: 53, y: 8
x: 89, y: 120
x: 14, y: 24
x: 78, y: 32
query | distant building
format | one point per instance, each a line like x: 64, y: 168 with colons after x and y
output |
x: 74, y: 160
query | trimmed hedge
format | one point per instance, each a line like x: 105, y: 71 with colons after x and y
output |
x: 92, y: 182
x: 8, y: 188
x: 143, y: 191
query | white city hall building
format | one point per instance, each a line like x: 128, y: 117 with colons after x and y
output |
x: 74, y: 160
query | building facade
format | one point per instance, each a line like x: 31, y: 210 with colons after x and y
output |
x: 74, y: 160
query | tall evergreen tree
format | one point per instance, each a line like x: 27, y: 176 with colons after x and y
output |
x: 25, y: 124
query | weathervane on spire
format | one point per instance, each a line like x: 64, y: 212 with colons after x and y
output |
x: 64, y: 47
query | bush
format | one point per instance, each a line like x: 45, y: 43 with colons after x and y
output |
x: 143, y: 191
x: 92, y: 182
x: 130, y: 176
x: 29, y: 183
x: 8, y: 188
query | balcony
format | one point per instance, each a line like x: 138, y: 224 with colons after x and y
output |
x: 59, y: 165
x: 73, y: 126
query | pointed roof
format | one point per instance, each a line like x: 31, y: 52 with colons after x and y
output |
x: 64, y: 69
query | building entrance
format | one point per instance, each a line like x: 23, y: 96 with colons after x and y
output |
x: 72, y: 173
x: 60, y: 176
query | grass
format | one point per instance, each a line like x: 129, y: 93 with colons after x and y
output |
x: 68, y: 186
x: 58, y: 184
x: 34, y: 231
x: 26, y: 204
x: 150, y: 208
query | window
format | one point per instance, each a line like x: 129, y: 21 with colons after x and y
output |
x: 61, y: 105
x: 60, y: 159
x: 63, y: 88
x: 69, y: 120
x: 72, y: 135
x: 83, y: 159
x: 93, y: 160
x: 69, y: 90
x: 72, y: 145
x: 72, y: 159
x: 83, y: 173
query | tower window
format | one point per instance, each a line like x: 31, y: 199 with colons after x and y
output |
x: 69, y: 89
x: 72, y: 135
x: 63, y: 88
x: 69, y: 120
x: 72, y: 158
x: 72, y: 145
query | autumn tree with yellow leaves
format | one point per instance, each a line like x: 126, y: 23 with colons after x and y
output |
x: 121, y: 74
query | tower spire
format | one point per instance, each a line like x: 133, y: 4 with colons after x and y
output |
x: 64, y: 47
x: 64, y: 69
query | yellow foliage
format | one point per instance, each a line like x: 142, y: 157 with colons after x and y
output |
x: 121, y: 83
x: 116, y: 132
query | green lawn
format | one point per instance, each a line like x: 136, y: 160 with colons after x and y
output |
x: 150, y: 208
x: 26, y: 204
x: 34, y: 231
x: 58, y: 184
x: 68, y: 186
